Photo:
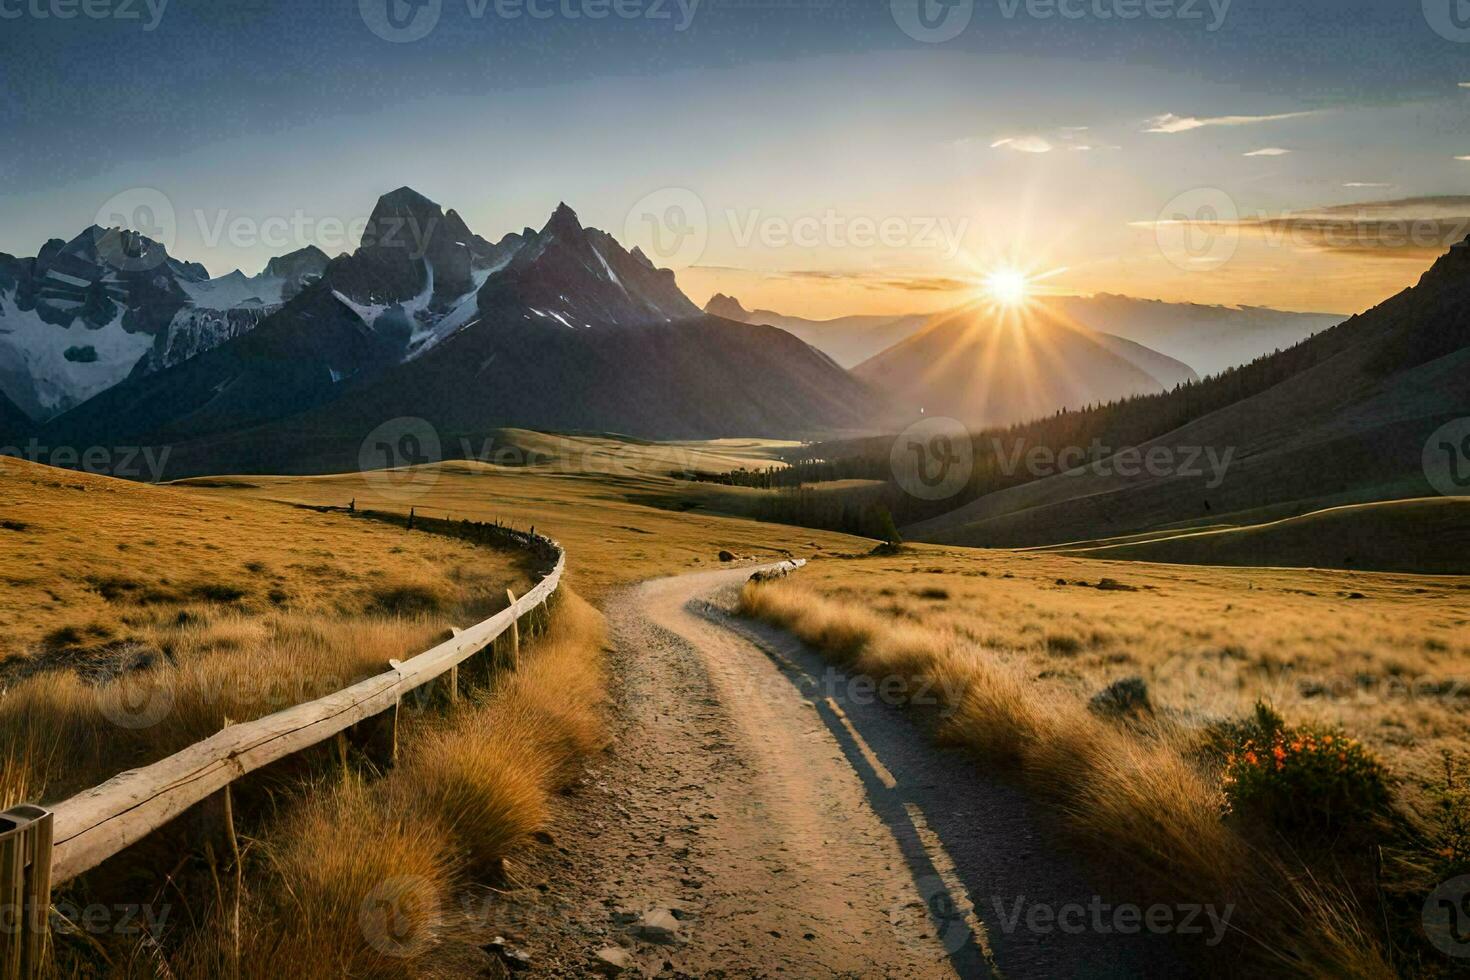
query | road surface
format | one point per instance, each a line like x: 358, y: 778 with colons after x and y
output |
x: 792, y: 825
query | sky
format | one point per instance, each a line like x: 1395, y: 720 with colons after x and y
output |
x: 818, y: 158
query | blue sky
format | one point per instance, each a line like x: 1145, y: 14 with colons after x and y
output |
x: 770, y: 113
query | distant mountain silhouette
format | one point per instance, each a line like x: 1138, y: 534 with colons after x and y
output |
x: 987, y: 366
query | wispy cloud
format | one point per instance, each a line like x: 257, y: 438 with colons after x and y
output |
x: 872, y: 280
x: 1268, y: 151
x: 1061, y: 138
x: 1465, y: 159
x: 1170, y: 123
x: 1465, y: 85
x: 1024, y: 144
x: 1414, y: 228
x: 1364, y: 183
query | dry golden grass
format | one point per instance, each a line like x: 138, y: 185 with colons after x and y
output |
x: 362, y: 880
x: 1015, y: 657
x: 1392, y: 667
x: 139, y: 618
x: 610, y: 502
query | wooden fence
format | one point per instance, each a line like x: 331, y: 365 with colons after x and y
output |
x: 41, y: 848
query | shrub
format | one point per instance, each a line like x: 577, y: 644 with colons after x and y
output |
x: 1450, y: 819
x: 1063, y: 643
x: 1300, y: 777
x: 407, y: 599
x: 1125, y: 697
x: 217, y: 592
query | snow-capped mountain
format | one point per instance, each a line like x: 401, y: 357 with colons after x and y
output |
x: 83, y: 315
x: 554, y: 329
x: 231, y: 306
x: 75, y: 319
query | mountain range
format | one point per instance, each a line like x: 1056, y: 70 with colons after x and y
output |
x: 848, y: 340
x: 1209, y: 339
x: 560, y: 328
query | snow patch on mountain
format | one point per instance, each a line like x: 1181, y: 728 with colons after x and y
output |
x: 46, y: 368
x: 236, y: 289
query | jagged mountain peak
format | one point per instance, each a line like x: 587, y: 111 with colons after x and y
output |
x: 563, y: 221
x: 308, y: 260
x: 406, y: 197
x: 726, y: 306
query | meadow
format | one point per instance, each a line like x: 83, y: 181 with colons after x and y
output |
x: 139, y: 618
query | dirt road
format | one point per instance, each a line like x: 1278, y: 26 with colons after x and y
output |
x: 761, y: 815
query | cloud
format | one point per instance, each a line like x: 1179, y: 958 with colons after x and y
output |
x: 1024, y: 144
x: 1411, y: 228
x: 1170, y: 123
x: 875, y: 280
x: 1465, y: 85
x: 1268, y: 151
x: 1465, y: 159
x: 1364, y: 183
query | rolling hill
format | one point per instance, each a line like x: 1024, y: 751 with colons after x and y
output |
x: 1424, y: 536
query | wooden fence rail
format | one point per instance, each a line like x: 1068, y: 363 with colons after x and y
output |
x: 41, y: 848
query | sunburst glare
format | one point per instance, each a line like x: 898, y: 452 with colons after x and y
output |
x: 1008, y: 286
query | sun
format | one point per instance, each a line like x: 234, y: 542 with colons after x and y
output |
x: 1008, y: 286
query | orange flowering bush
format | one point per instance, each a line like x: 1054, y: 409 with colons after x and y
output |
x: 1300, y: 776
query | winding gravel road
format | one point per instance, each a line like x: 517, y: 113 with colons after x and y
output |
x: 784, y: 823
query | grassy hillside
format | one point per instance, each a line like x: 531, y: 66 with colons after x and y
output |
x: 1429, y: 535
x: 235, y: 608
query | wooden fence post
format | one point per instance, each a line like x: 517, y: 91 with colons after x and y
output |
x: 25, y: 891
x: 454, y: 674
x: 515, y: 633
